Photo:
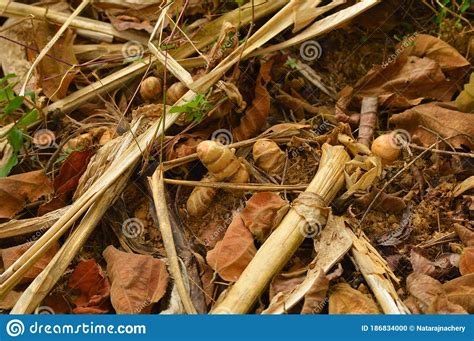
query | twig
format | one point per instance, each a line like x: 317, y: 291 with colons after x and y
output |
x: 368, y: 119
x: 159, y: 198
x: 237, y: 186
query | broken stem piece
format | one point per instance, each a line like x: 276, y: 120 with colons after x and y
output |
x: 285, y: 240
x: 368, y: 119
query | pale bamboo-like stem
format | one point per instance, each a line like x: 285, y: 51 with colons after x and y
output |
x: 15, y: 10
x: 51, y: 43
x: 258, y: 187
x: 45, y: 281
x: 159, y: 198
x: 285, y: 240
x: 206, y: 35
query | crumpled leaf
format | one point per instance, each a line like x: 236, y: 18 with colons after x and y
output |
x: 466, y: 263
x: 343, y: 299
x: 444, y: 264
x: 138, y: 281
x: 445, y: 120
x: 16, y: 190
x: 430, y: 297
x: 427, y: 63
x: 461, y: 291
x: 93, y: 287
x: 263, y: 212
x: 184, y: 145
x: 315, y: 298
x: 385, y: 202
x: 67, y: 180
x: 7, y: 302
x: 126, y: 22
x: 54, y: 75
x: 466, y: 235
x: 11, y: 254
x: 256, y: 115
x: 234, y: 252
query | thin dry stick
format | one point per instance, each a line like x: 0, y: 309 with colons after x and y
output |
x: 238, y: 186
x: 285, y: 240
x: 159, y: 198
x: 53, y: 41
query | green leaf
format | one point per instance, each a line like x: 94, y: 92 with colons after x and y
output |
x: 15, y: 137
x: 31, y: 94
x: 7, y: 94
x: 178, y: 109
x: 14, y: 104
x: 12, y: 162
x: 28, y: 119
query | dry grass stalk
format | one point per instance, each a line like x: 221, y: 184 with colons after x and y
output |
x: 287, y: 237
x: 256, y: 187
x: 159, y: 198
x: 51, y: 43
x: 15, y: 9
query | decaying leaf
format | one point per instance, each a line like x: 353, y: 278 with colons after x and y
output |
x: 461, y: 291
x: 343, y: 299
x: 16, y: 190
x: 466, y: 235
x: 138, y: 281
x: 315, y: 298
x: 466, y: 263
x: 441, y: 118
x: 10, y: 300
x: 424, y: 289
x: 442, y: 266
x: 54, y: 74
x: 256, y: 115
x: 93, y: 287
x: 234, y: 252
x: 263, y: 212
x: 11, y: 254
x: 385, y: 202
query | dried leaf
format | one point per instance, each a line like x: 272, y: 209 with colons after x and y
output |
x: 466, y: 263
x: 138, y: 281
x: 385, y: 202
x: 464, y: 186
x: 256, y: 115
x: 11, y: 254
x: 461, y: 291
x: 442, y: 119
x: 343, y: 299
x: 54, y: 74
x: 93, y: 287
x: 67, y: 180
x: 234, y: 252
x: 263, y: 212
x: 127, y: 22
x: 315, y: 298
x: 466, y: 235
x: 441, y: 305
x: 424, y: 289
x: 16, y: 190
x: 444, y: 264
x: 7, y: 302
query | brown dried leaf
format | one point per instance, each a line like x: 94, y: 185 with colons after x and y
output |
x: 93, y: 287
x: 234, y: 252
x: 138, y: 281
x: 54, y: 74
x: 466, y: 263
x: 442, y: 119
x: 461, y: 291
x: 263, y: 212
x: 444, y: 264
x: 385, y: 202
x: 343, y: 299
x: 7, y: 302
x: 16, y: 190
x: 424, y: 289
x: 315, y: 298
x: 11, y: 254
x: 256, y: 115
x: 442, y: 305
x: 466, y: 235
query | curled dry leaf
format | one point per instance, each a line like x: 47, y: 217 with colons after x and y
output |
x: 93, y: 287
x: 185, y: 145
x: 255, y: 117
x: 315, y: 298
x: 138, y: 281
x: 268, y: 156
x: 7, y: 302
x: 234, y: 252
x: 440, y: 118
x: 343, y: 299
x: 461, y: 291
x: 54, y: 74
x: 11, y: 254
x: 424, y: 289
x: 466, y: 263
x: 385, y: 202
x: 466, y: 235
x: 444, y: 264
x: 16, y: 190
x: 263, y: 212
